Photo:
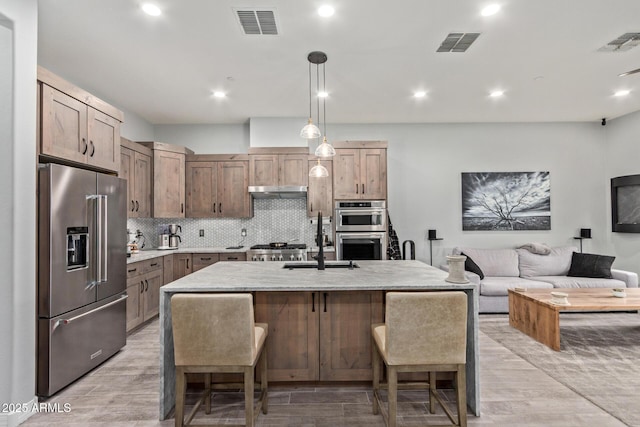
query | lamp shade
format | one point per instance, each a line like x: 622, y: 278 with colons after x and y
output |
x: 310, y: 131
x: 318, y: 171
x: 325, y: 149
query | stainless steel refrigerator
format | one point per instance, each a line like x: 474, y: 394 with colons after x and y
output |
x: 81, y: 273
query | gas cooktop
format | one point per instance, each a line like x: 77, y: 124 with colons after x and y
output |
x: 286, y: 246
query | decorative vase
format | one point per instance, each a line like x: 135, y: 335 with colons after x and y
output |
x: 456, y: 269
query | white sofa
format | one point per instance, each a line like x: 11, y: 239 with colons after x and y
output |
x: 509, y: 268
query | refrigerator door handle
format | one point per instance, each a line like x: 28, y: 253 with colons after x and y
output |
x: 102, y: 233
x: 67, y: 321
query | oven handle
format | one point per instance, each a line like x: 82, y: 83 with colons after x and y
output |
x: 377, y: 235
x: 367, y: 211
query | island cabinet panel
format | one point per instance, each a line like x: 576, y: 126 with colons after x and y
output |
x: 320, y: 192
x: 182, y: 265
x: 345, y: 334
x: 293, y: 334
x: 322, y: 336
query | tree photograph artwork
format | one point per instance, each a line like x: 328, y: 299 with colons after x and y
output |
x: 506, y: 201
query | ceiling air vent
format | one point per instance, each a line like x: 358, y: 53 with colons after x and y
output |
x: 457, y: 42
x: 622, y: 43
x: 257, y: 22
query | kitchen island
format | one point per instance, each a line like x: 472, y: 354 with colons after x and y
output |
x: 266, y: 279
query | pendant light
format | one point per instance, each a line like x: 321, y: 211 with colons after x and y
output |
x: 318, y: 171
x: 324, y: 149
x: 311, y: 131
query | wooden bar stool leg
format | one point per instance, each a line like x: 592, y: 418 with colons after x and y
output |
x: 432, y: 392
x: 376, y: 377
x: 248, y: 395
x: 393, y: 395
x: 207, y: 390
x: 461, y: 391
x: 263, y: 380
x: 180, y: 396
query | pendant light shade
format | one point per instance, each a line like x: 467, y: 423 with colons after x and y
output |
x: 318, y: 171
x: 325, y: 149
x: 310, y: 131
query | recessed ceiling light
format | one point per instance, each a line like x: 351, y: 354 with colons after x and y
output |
x: 622, y: 93
x: 326, y: 11
x: 219, y: 94
x: 496, y: 93
x: 151, y: 9
x: 322, y: 94
x: 492, y: 9
x: 420, y: 94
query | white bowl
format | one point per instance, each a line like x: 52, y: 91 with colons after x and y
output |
x: 618, y: 293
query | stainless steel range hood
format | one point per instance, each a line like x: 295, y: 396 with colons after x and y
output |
x: 278, y: 191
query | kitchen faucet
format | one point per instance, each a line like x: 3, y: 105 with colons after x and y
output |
x: 319, y: 242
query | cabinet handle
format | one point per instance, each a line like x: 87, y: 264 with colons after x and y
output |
x: 84, y: 143
x: 133, y: 206
x: 325, y: 302
x: 205, y: 259
x: 214, y: 207
x: 93, y: 148
x: 146, y: 287
x: 220, y: 207
x: 230, y: 258
x: 137, y: 206
x: 313, y: 302
x: 187, y: 263
x: 132, y: 270
x: 356, y: 188
x: 362, y: 188
x: 181, y: 207
x: 311, y: 207
x: 141, y: 286
x: 154, y: 264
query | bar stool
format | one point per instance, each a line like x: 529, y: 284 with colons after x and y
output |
x: 423, y: 332
x: 216, y: 333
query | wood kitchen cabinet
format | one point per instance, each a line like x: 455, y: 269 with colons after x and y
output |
x: 144, y: 279
x: 217, y: 186
x: 168, y: 184
x: 75, y: 126
x: 360, y: 171
x: 202, y: 260
x: 233, y: 256
x: 167, y: 269
x: 182, y: 265
x: 136, y: 168
x: 320, y: 191
x: 319, y: 336
x: 278, y: 166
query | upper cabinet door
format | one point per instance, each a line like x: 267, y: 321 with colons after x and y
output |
x: 127, y: 171
x: 320, y: 193
x: 201, y: 189
x: 234, y: 201
x: 293, y: 169
x: 64, y: 126
x: 168, y: 184
x: 373, y: 173
x: 346, y: 174
x: 142, y: 185
x: 104, y: 140
x: 263, y: 169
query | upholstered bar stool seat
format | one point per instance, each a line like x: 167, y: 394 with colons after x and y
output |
x: 216, y: 333
x: 423, y: 332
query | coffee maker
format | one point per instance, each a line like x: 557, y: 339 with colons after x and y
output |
x: 174, y: 238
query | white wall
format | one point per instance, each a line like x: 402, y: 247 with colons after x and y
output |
x: 206, y: 139
x: 425, y: 162
x: 135, y: 128
x: 622, y: 140
x: 17, y: 289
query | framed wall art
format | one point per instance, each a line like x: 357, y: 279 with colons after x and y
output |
x: 506, y: 201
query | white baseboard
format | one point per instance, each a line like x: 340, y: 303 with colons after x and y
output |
x: 14, y: 419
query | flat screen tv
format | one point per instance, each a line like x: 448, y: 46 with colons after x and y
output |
x: 625, y: 204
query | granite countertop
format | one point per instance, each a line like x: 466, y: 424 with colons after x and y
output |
x: 271, y: 276
x: 146, y: 254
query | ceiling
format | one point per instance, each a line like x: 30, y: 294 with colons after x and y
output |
x: 543, y: 54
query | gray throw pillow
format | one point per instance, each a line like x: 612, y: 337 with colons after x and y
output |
x: 591, y: 265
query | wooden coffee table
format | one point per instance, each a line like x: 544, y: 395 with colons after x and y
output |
x: 532, y: 312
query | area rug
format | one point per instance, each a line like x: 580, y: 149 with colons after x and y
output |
x: 599, y: 357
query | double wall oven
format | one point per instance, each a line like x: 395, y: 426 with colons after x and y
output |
x: 361, y: 230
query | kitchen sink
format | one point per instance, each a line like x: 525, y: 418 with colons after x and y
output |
x: 327, y: 264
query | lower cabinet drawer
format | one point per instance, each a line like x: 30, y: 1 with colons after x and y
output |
x: 203, y: 260
x: 233, y: 256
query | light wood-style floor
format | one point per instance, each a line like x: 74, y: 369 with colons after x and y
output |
x: 124, y: 392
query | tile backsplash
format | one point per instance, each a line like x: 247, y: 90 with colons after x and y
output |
x: 274, y: 220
